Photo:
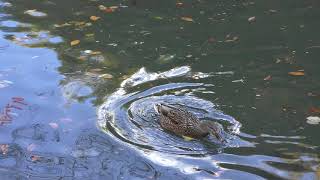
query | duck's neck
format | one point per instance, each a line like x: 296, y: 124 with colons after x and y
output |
x: 204, y: 126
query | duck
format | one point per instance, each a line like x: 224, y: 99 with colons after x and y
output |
x: 183, y: 123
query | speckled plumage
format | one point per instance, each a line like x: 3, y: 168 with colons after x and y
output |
x: 184, y: 123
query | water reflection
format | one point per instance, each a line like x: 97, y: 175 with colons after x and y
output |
x: 141, y: 52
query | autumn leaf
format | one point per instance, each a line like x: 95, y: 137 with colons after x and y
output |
x: 4, y: 148
x: 296, y: 73
x: 189, y: 19
x: 106, y: 76
x: 251, y: 19
x: 94, y: 18
x: 179, y: 4
x: 109, y: 10
x: 54, y: 125
x: 74, y: 42
x: 268, y: 78
x: 35, y: 158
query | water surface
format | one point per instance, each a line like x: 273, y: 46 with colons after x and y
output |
x: 77, y: 91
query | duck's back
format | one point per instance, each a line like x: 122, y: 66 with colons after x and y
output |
x: 181, y: 122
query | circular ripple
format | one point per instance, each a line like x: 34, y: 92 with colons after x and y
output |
x: 131, y: 117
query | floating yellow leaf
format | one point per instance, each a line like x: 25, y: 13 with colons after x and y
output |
x: 94, y: 18
x: 296, y: 73
x: 74, y: 42
x: 189, y: 19
x: 187, y: 138
x: 106, y: 76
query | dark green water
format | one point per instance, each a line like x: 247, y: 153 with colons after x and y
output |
x: 85, y: 111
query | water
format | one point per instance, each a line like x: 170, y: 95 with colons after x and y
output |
x: 85, y: 111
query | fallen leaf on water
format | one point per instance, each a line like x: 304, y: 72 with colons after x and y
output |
x: 189, y: 19
x: 251, y: 19
x: 74, y: 42
x: 106, y: 76
x: 268, y: 78
x: 54, y: 125
x: 89, y: 35
x: 4, y: 148
x: 94, y: 18
x: 296, y: 73
x: 102, y: 7
x: 31, y: 147
x: 158, y: 17
x: 35, y: 158
x: 35, y: 13
x: 179, y: 4
x: 313, y: 120
x: 109, y: 10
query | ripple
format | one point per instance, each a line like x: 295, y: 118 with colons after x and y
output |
x: 129, y: 115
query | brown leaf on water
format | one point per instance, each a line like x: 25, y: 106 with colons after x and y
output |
x: 268, y: 78
x: 94, y: 18
x: 35, y: 158
x: 189, y: 19
x: 296, y: 73
x: 109, y: 10
x: 4, y: 148
x: 74, y: 42
x: 54, y: 125
x: 179, y: 4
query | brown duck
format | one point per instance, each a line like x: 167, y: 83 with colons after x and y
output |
x: 182, y: 122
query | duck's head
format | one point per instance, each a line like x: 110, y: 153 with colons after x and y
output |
x: 162, y: 109
x: 213, y: 128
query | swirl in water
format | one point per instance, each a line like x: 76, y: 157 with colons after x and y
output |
x: 130, y: 116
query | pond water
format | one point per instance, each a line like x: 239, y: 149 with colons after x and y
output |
x: 79, y: 81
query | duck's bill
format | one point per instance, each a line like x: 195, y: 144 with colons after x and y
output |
x: 157, y: 108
